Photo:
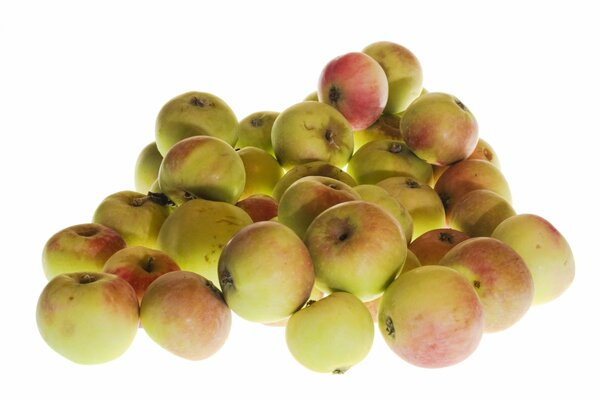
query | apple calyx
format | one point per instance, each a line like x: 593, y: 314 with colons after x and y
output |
x: 149, y: 264
x: 257, y: 122
x: 225, y: 279
x: 87, y: 278
x: 389, y: 327
x: 395, y: 148
x: 334, y: 94
x: 412, y: 184
x: 460, y: 104
x: 476, y: 284
x: 446, y: 237
x: 160, y: 199
x: 340, y: 371
x: 199, y: 102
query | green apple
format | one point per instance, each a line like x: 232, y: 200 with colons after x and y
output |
x: 330, y: 335
x: 255, y: 130
x: 193, y: 114
x: 308, y: 197
x: 202, y: 167
x: 80, y: 248
x: 136, y: 216
x: 88, y: 317
x: 262, y: 171
x: 387, y: 126
x: 185, y: 314
x: 196, y: 232
x: 356, y: 247
x: 312, y: 131
x: 484, y: 151
x: 265, y: 272
x: 146, y: 168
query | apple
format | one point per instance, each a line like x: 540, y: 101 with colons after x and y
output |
x: 193, y: 114
x: 431, y: 317
x: 136, y: 216
x: 500, y: 278
x: 483, y: 151
x: 196, y: 232
x: 432, y: 245
x: 202, y: 167
x: 262, y: 171
x: 384, y: 158
x: 403, y: 73
x: 356, y: 85
x: 146, y: 168
x: 259, y: 207
x: 308, y: 197
x: 330, y: 335
x: 545, y: 251
x: 265, y: 272
x: 255, y: 130
x: 479, y: 212
x: 387, y: 126
x: 139, y: 266
x: 88, y: 317
x: 356, y: 247
x: 313, y: 168
x: 378, y: 195
x: 312, y: 96
x: 422, y: 202
x: 185, y: 314
x: 439, y: 129
x: 311, y: 131
x: 80, y: 248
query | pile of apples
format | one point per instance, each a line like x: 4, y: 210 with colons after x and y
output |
x: 372, y: 202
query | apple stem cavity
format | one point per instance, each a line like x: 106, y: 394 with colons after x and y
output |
x: 198, y: 102
x: 86, y: 278
x: 160, y: 199
x: 87, y: 232
x: 395, y: 148
x: 149, y: 266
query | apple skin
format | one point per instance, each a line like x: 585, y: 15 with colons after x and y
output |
x: 196, y: 232
x: 312, y: 131
x: 193, y: 114
x: 387, y: 126
x: 479, y: 212
x: 262, y: 171
x: 259, y: 207
x: 185, y: 314
x: 432, y: 245
x: 314, y: 168
x: 356, y: 85
x: 202, y: 167
x: 500, y: 278
x: 308, y: 197
x: 545, y: 251
x: 356, y: 247
x: 466, y: 176
x: 483, y: 151
x: 139, y: 266
x: 265, y: 272
x: 378, y: 195
x: 255, y: 131
x: 381, y: 159
x: 134, y: 215
x: 332, y: 334
x: 403, y: 72
x: 88, y: 317
x: 146, y: 168
x: 422, y: 202
x: 80, y: 248
x: 439, y: 129
x: 431, y: 317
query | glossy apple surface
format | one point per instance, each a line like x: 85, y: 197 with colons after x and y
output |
x: 146, y: 168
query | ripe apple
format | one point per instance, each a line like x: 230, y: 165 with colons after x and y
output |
x: 80, y: 248
x: 259, y: 207
x: 314, y: 168
x: 196, y: 232
x: 185, y: 314
x: 265, y: 272
x: 193, y: 114
x: 330, y: 335
x: 500, y: 278
x: 139, y: 266
x: 146, y: 168
x: 136, y: 216
x: 545, y: 251
x: 262, y: 171
x: 439, y: 128
x: 403, y: 72
x: 311, y: 131
x: 384, y: 158
x: 479, y: 212
x: 483, y: 151
x: 202, y: 167
x: 255, y: 130
x: 308, y: 197
x: 88, y: 317
x: 422, y: 202
x: 356, y: 85
x: 387, y: 126
x: 356, y: 247
x: 432, y: 245
x: 431, y: 317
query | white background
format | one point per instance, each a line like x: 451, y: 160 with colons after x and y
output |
x: 80, y: 87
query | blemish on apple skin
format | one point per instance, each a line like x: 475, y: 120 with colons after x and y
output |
x: 389, y: 327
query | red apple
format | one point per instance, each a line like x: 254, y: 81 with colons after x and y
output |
x: 260, y: 207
